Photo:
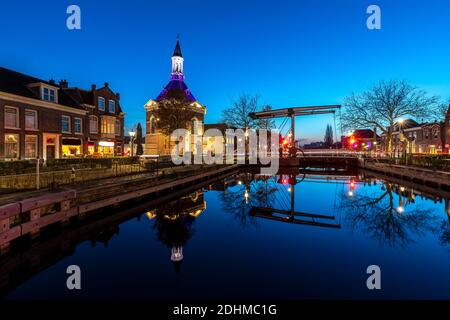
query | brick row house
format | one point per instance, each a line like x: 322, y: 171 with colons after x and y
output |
x: 46, y: 119
x: 426, y: 138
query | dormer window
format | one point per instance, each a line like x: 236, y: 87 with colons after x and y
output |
x: 112, y: 106
x: 101, y: 103
x: 49, y: 94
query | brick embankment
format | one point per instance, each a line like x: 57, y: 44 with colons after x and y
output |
x: 438, y: 179
x: 26, y: 213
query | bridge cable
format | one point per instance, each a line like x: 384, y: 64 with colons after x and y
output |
x: 283, y: 124
x: 340, y: 121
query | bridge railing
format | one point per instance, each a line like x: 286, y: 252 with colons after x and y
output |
x: 331, y: 153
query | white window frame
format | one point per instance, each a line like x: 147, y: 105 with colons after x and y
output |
x: 81, y: 125
x: 70, y: 125
x: 17, y: 126
x: 104, y: 103
x: 36, y: 119
x: 91, y: 119
x: 50, y: 90
x: 109, y: 106
x: 36, y: 144
x: 18, y: 145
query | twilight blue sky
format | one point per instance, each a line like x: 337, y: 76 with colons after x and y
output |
x: 292, y: 53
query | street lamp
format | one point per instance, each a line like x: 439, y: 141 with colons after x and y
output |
x: 132, y: 135
x: 400, y: 125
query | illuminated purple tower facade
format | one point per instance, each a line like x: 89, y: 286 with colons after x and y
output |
x: 176, y: 88
x: 156, y: 142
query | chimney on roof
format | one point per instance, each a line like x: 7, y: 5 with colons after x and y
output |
x: 106, y: 84
x: 63, y: 84
x: 118, y: 96
x: 52, y: 81
x: 93, y: 87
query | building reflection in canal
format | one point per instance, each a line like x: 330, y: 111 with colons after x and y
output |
x: 173, y: 223
x: 393, y: 214
x: 271, y: 198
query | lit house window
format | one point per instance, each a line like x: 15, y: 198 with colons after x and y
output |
x: 77, y: 125
x: 65, y: 124
x: 93, y: 124
x: 117, y: 127
x: 31, y: 148
x: 49, y: 94
x: 107, y: 124
x: 11, y: 146
x: 31, y: 119
x: 101, y: 103
x: 11, y: 117
x: 112, y: 106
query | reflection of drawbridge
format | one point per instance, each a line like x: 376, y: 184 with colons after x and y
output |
x: 288, y: 213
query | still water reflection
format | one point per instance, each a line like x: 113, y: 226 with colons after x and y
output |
x: 290, y: 236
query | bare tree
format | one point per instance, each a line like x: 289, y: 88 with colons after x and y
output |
x: 441, y: 111
x: 261, y: 193
x: 237, y: 115
x: 173, y: 114
x: 267, y: 124
x: 385, y: 103
x: 376, y: 215
x: 328, y: 140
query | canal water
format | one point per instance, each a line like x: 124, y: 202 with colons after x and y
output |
x: 284, y: 237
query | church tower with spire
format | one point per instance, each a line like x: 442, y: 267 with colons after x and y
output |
x: 157, y: 143
x: 177, y: 63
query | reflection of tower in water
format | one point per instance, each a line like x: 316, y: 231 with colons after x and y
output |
x: 173, y: 223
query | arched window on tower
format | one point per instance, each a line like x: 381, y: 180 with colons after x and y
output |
x: 152, y: 125
x: 194, y: 126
